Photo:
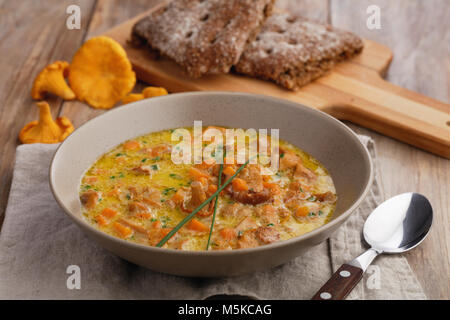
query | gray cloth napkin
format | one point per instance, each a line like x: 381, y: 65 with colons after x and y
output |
x: 38, y: 243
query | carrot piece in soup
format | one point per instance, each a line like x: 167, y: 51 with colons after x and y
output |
x: 212, y: 188
x: 196, y: 174
x: 157, y: 224
x: 228, y: 233
x: 203, y: 181
x: 156, y: 235
x: 91, y: 179
x: 143, y: 215
x: 229, y: 171
x: 131, y: 145
x: 273, y: 187
x: 101, y: 220
x: 239, y: 184
x: 109, y: 213
x: 302, y: 211
x: 205, y: 165
x: 123, y: 231
x: 196, y: 225
x: 178, y: 197
x: 114, y: 192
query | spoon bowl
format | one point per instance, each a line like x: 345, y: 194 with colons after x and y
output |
x: 397, y: 225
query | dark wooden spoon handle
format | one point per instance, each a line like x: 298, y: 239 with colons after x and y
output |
x: 340, y: 283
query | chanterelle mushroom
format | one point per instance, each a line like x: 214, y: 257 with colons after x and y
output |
x: 100, y: 73
x: 148, y: 92
x: 46, y: 130
x: 52, y: 80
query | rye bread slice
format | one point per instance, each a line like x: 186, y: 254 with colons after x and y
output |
x: 203, y: 36
x: 292, y: 51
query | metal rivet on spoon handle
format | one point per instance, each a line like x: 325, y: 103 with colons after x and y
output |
x: 397, y: 225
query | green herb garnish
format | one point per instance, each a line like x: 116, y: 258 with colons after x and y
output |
x: 175, y: 176
x: 215, y: 207
x: 270, y: 224
x: 155, y: 167
x: 200, y: 207
x: 166, y: 191
x: 312, y: 198
x: 143, y: 160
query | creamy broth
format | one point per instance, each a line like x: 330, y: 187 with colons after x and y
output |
x: 137, y: 193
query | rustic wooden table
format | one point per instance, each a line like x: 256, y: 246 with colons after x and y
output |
x: 33, y: 34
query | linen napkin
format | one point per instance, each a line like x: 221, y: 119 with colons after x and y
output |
x: 40, y: 248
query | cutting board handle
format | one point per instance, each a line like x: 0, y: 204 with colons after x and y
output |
x: 374, y: 103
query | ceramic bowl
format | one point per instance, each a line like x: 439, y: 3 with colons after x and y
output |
x: 322, y: 136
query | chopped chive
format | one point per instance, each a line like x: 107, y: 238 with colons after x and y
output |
x: 281, y: 155
x: 312, y: 198
x: 215, y: 207
x: 240, y: 233
x: 301, y: 190
x: 175, y: 176
x: 112, y: 177
x: 270, y: 224
x: 200, y: 207
x: 156, y: 159
x: 168, y: 190
x: 121, y: 175
x: 320, y: 212
x: 154, y: 166
x: 128, y: 196
x: 143, y: 160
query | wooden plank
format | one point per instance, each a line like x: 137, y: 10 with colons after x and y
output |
x: 418, y: 32
x: 32, y: 36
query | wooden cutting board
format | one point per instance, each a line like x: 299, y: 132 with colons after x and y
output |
x: 353, y: 91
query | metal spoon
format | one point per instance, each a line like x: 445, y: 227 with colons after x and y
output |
x: 397, y: 225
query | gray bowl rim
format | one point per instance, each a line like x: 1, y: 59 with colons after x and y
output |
x: 339, y: 220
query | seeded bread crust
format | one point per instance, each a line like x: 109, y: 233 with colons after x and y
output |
x: 203, y: 36
x: 293, y: 51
